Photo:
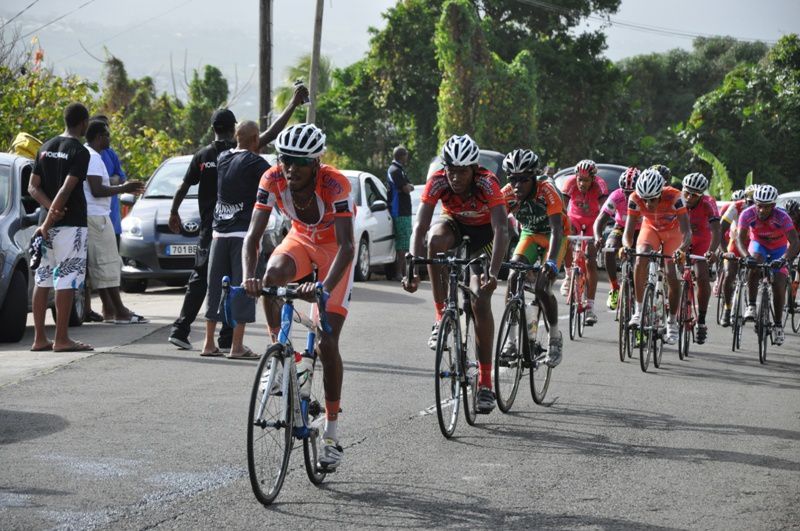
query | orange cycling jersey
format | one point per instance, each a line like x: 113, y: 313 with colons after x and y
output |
x: 332, y: 196
x: 474, y: 210
x: 665, y: 216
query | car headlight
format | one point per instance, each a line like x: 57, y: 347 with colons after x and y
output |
x: 132, y: 227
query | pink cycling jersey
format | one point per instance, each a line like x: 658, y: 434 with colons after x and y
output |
x: 617, y: 206
x: 584, y: 205
x: 701, y: 216
x: 771, y: 232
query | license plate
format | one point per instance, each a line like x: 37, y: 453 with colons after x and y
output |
x: 181, y: 250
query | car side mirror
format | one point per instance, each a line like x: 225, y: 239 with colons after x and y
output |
x: 127, y: 199
x: 30, y: 220
x: 379, y: 206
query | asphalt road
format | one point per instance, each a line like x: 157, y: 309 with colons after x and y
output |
x: 141, y: 435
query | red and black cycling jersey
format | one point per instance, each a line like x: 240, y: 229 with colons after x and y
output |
x: 474, y: 210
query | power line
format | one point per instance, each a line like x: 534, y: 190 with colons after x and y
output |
x: 660, y: 30
x: 18, y: 14
x: 131, y: 28
x: 57, y: 19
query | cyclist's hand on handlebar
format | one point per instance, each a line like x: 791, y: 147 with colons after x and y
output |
x: 750, y: 261
x: 779, y: 263
x: 551, y: 269
x: 410, y: 283
x: 488, y: 285
x: 252, y: 286
x: 679, y: 256
x: 624, y: 252
x: 307, y: 291
x: 711, y: 257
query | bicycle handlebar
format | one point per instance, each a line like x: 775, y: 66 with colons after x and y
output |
x: 580, y: 238
x: 288, y: 292
x: 522, y: 266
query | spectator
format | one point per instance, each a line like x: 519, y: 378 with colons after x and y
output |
x: 203, y: 170
x: 400, y: 208
x: 55, y: 183
x: 239, y: 172
x: 103, y: 255
x: 116, y: 176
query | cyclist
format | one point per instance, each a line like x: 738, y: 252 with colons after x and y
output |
x: 584, y: 193
x: 317, y: 199
x: 728, y: 227
x: 792, y: 208
x: 665, y: 226
x: 616, y: 209
x: 666, y: 173
x: 472, y: 206
x: 773, y: 238
x: 540, y: 212
x: 704, y: 220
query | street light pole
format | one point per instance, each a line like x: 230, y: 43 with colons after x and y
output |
x: 311, y: 115
x: 265, y: 63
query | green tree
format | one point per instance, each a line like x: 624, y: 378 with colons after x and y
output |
x: 477, y: 86
x: 302, y: 71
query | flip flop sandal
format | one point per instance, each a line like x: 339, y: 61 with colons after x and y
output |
x: 76, y: 347
x: 216, y: 353
x: 246, y: 354
x: 46, y: 348
x: 135, y: 319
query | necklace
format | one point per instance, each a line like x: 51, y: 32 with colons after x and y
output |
x: 302, y: 207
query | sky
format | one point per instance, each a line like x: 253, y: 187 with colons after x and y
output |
x: 149, y: 34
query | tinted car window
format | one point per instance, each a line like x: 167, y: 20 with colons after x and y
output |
x: 167, y: 180
x: 5, y: 186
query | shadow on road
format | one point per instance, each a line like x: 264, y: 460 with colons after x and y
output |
x: 18, y: 426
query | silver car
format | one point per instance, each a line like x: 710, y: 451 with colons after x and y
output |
x: 150, y: 250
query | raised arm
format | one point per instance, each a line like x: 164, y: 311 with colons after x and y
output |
x: 299, y: 96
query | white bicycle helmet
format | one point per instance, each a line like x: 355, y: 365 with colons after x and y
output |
x: 737, y: 195
x: 586, y: 166
x: 460, y: 151
x: 520, y: 161
x: 301, y: 140
x: 649, y: 184
x: 765, y: 194
x: 695, y: 182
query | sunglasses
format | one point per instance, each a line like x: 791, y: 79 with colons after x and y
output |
x: 288, y: 160
x: 518, y: 179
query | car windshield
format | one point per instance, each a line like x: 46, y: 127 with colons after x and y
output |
x: 5, y: 186
x: 355, y: 189
x: 168, y: 178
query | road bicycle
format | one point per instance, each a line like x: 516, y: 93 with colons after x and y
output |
x: 521, y: 346
x: 791, y: 310
x: 279, y: 412
x: 765, y: 313
x: 577, y: 286
x: 456, y: 370
x: 654, y: 314
x: 627, y: 335
x: 738, y: 302
x: 687, y: 307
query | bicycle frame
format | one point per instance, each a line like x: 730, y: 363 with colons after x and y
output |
x: 518, y: 290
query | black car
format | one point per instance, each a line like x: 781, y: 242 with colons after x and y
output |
x: 19, y: 217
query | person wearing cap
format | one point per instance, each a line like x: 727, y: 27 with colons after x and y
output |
x: 203, y: 172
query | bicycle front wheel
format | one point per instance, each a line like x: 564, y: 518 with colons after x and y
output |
x: 540, y: 371
x: 736, y: 318
x: 469, y: 367
x: 315, y: 418
x: 448, y: 384
x: 683, y: 321
x: 646, y: 327
x: 763, y: 324
x: 794, y: 307
x: 623, y: 317
x: 719, y: 291
x: 573, y: 306
x: 657, y: 343
x: 512, y: 337
x: 269, y: 427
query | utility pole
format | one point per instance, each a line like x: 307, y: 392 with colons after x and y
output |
x: 264, y: 63
x: 311, y: 115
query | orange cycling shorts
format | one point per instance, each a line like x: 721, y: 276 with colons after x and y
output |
x: 305, y: 254
x: 670, y: 239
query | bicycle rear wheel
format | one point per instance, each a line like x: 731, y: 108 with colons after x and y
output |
x: 623, y: 316
x: 573, y: 306
x: 581, y: 311
x: 736, y: 317
x: 540, y: 371
x: 316, y: 423
x: 508, y: 365
x: 269, y: 427
x: 448, y: 385
x: 719, y: 291
x: 795, y: 310
x: 469, y: 367
x: 646, y: 328
x: 683, y: 321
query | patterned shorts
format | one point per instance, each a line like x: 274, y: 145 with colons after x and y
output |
x: 402, y: 233
x: 63, y: 263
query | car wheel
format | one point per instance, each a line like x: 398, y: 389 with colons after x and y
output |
x: 362, y: 260
x: 133, y: 286
x: 12, y: 318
